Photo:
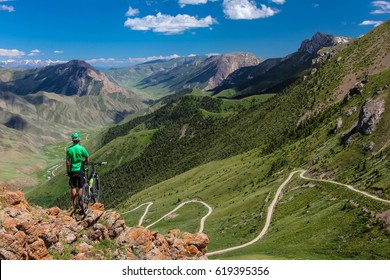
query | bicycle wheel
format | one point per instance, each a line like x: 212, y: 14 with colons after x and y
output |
x: 85, y: 199
x: 96, y: 189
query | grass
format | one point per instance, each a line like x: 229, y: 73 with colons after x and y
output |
x: 221, y: 184
x: 311, y: 221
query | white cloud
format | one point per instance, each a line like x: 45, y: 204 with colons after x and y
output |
x: 58, y: 51
x: 246, y: 9
x: 34, y: 52
x: 280, y: 2
x: 7, y: 8
x: 112, y: 62
x: 315, y: 5
x: 371, y: 22
x: 182, y: 3
x: 28, y: 63
x: 168, y: 24
x: 11, y: 53
x: 383, y: 7
x: 137, y: 60
x: 100, y: 61
x: 132, y: 12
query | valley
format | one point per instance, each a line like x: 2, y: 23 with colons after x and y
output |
x: 223, y: 157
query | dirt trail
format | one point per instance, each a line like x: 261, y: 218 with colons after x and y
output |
x: 273, y: 204
x: 270, y: 211
x: 202, y: 221
x: 145, y: 213
x: 267, y: 222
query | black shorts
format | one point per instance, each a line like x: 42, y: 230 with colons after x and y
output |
x: 77, y: 179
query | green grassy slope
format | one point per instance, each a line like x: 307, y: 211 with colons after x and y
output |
x: 312, y: 220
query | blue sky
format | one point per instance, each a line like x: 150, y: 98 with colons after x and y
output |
x: 122, y: 32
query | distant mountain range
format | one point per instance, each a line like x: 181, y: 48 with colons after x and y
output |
x: 42, y: 105
x: 166, y: 77
x: 243, y: 73
x: 76, y: 94
x: 71, y: 95
x: 29, y: 63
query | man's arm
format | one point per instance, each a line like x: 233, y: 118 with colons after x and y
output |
x: 86, y: 155
x: 68, y: 166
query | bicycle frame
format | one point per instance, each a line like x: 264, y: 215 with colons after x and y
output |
x: 91, y: 189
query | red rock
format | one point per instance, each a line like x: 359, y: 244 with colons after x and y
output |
x: 37, y: 250
x: 27, y: 233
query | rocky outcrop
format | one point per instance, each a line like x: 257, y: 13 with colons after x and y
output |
x: 339, y: 124
x: 370, y: 115
x: 385, y: 217
x: 34, y: 233
x: 226, y: 64
x: 320, y: 40
x: 357, y: 89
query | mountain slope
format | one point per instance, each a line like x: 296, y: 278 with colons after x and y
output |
x: 203, y: 72
x: 270, y: 125
x: 273, y: 75
x: 71, y: 94
x: 42, y: 106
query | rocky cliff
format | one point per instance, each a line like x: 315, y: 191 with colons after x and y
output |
x: 321, y: 40
x: 33, y: 233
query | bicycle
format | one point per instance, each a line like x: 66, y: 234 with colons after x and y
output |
x: 91, y: 190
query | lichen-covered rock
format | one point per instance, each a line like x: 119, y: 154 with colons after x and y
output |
x: 34, y: 233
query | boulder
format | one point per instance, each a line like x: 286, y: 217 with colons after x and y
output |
x: 370, y: 115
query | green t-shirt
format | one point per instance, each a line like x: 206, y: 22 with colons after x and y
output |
x: 76, y: 153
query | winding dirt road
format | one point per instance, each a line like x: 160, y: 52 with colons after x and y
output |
x: 202, y: 221
x: 145, y: 212
x: 267, y: 221
x: 270, y: 211
x: 271, y: 208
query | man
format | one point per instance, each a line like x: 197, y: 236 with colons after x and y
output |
x: 76, y: 155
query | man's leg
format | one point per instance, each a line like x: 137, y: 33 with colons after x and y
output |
x: 74, y: 197
x: 73, y: 192
x: 80, y: 192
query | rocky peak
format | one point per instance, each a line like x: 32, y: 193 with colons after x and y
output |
x: 228, y: 63
x: 29, y: 232
x: 73, y: 67
x: 321, y: 40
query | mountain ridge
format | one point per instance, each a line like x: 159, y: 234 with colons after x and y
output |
x: 273, y: 75
x: 203, y: 72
